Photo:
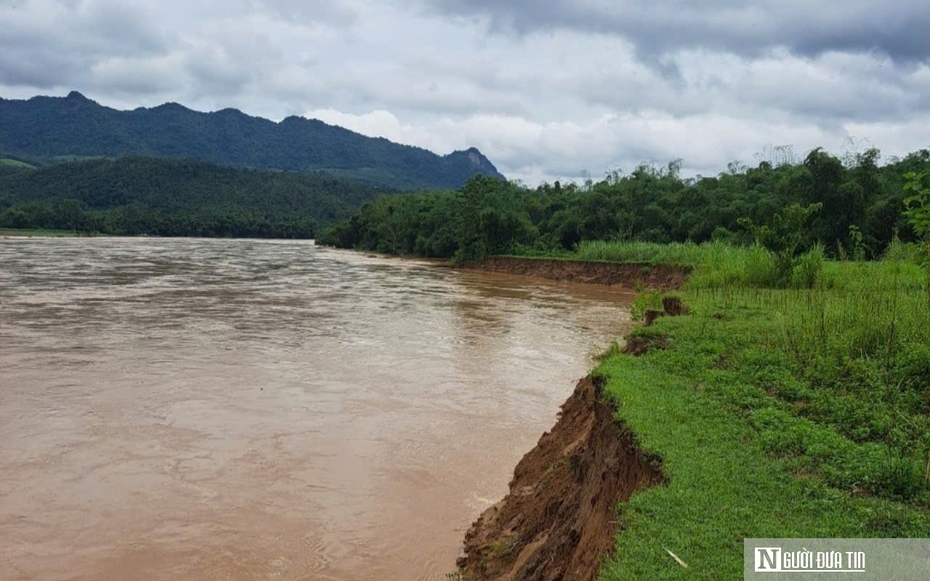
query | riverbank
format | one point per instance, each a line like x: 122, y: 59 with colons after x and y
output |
x: 558, y: 520
x: 632, y: 275
x: 770, y: 412
x: 40, y: 233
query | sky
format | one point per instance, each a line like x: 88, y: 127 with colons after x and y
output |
x: 548, y: 89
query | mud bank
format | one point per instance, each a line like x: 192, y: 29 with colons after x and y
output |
x: 631, y: 275
x: 559, y: 521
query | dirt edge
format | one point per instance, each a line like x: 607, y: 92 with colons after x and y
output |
x: 559, y: 519
x: 631, y: 275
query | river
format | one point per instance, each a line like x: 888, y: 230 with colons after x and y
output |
x: 239, y: 409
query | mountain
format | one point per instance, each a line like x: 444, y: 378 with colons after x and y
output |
x: 174, y: 197
x: 56, y: 128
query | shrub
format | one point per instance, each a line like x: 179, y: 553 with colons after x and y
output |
x: 808, y: 268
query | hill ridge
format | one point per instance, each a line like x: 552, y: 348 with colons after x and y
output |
x: 47, y: 128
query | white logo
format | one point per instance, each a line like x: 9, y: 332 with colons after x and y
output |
x: 777, y: 560
x: 768, y: 559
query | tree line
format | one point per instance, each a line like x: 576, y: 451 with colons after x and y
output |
x: 164, y: 197
x: 859, y: 208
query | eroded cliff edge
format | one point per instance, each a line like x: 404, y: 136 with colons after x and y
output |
x: 559, y: 519
x: 631, y: 275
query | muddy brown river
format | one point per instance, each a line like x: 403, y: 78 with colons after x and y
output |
x: 235, y: 409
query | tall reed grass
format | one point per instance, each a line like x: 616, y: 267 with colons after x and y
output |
x: 718, y: 264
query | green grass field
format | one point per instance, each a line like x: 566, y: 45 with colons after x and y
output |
x: 798, y: 412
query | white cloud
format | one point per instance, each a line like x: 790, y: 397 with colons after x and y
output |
x: 559, y: 97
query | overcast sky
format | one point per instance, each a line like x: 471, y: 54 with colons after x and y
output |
x: 545, y: 88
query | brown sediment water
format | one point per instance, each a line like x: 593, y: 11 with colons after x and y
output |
x: 238, y: 409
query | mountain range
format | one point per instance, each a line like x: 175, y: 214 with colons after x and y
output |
x: 42, y: 130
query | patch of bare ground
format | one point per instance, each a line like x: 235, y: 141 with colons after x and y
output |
x: 642, y: 344
x: 671, y: 307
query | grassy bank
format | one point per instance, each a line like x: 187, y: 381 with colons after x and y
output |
x: 795, y: 412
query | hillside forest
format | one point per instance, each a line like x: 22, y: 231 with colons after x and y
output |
x: 164, y: 197
x: 44, y: 130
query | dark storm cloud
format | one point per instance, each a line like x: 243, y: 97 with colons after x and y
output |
x: 654, y: 27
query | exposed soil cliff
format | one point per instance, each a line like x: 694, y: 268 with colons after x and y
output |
x: 631, y: 275
x: 559, y: 519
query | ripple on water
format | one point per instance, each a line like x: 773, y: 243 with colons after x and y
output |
x: 242, y: 409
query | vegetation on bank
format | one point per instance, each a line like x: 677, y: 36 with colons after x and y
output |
x: 159, y: 197
x: 860, y: 207
x: 794, y: 399
x: 778, y: 413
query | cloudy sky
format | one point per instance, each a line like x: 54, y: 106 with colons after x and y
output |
x: 545, y: 89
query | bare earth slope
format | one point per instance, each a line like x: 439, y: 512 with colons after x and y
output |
x: 559, y: 519
x: 630, y: 275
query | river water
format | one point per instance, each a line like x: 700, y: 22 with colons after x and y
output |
x: 238, y: 409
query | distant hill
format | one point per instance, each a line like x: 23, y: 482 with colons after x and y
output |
x: 173, y: 197
x: 4, y: 161
x: 57, y: 128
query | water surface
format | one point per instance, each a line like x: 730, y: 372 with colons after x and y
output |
x: 236, y: 409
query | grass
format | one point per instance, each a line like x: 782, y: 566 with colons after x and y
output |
x: 799, y: 412
x: 682, y: 254
x: 686, y: 253
x: 717, y: 264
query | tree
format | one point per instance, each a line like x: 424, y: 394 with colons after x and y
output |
x: 841, y: 200
x: 783, y: 236
x: 917, y: 207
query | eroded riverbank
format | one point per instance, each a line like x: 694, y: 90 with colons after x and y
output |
x: 558, y: 520
x: 626, y: 275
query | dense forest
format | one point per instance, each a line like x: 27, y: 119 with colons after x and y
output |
x: 164, y: 197
x: 856, y: 204
x: 52, y: 129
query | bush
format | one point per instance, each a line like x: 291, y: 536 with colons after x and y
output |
x: 647, y: 301
x: 808, y: 268
x: 905, y: 252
